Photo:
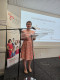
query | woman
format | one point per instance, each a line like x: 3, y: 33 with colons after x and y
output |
x: 10, y: 47
x: 26, y: 50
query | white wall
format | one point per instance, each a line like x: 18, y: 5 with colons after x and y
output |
x: 51, y: 6
x: 3, y: 19
x: 3, y: 7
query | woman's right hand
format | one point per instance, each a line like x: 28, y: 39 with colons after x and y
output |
x: 27, y: 38
x: 11, y: 49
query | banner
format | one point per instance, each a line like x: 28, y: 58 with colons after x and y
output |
x: 12, y: 61
x: 13, y: 39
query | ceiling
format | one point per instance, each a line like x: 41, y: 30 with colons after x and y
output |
x: 50, y: 6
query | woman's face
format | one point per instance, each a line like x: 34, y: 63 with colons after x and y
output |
x: 16, y: 42
x: 28, y: 25
x: 10, y: 41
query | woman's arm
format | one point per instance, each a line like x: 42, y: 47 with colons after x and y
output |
x: 23, y: 36
x: 8, y: 48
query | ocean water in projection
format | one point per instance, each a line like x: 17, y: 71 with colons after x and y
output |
x: 47, y: 27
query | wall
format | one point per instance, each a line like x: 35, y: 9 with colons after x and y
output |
x: 3, y: 20
x: 3, y: 6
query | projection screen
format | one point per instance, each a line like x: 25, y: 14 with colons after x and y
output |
x: 47, y: 27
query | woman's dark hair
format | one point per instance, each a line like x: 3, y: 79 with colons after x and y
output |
x: 9, y: 40
x: 13, y: 38
x: 28, y: 22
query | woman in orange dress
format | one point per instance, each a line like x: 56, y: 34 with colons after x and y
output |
x: 26, y: 50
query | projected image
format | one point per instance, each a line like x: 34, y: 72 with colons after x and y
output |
x: 47, y: 27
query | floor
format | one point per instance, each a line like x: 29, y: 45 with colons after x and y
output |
x: 43, y: 69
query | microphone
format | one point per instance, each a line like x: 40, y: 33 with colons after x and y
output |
x: 33, y: 28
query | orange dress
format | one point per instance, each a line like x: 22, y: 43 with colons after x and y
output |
x: 26, y: 50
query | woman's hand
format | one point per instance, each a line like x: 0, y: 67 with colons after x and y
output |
x: 26, y: 38
x: 11, y: 49
x: 34, y: 38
